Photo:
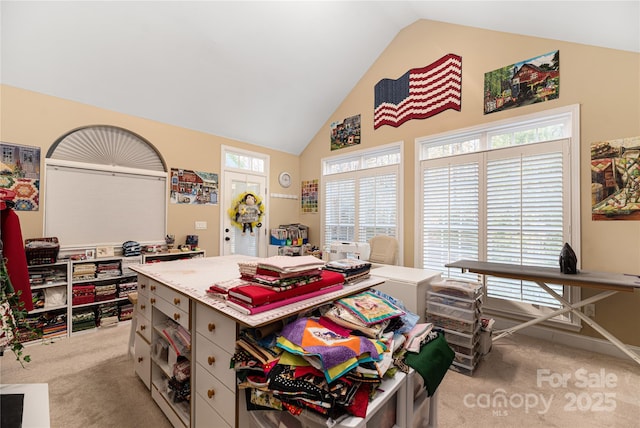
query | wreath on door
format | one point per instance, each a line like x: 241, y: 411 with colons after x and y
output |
x: 246, y: 212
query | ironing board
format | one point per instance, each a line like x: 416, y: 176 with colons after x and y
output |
x: 610, y: 283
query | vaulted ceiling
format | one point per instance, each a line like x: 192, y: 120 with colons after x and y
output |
x: 266, y: 72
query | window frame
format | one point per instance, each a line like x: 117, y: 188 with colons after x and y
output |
x: 360, y: 168
x: 571, y: 116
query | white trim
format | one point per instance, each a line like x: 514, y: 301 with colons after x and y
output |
x: 101, y: 167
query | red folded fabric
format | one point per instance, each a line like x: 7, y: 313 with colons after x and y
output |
x: 259, y: 295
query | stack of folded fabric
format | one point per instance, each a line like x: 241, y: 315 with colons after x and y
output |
x: 353, y: 270
x: 126, y: 312
x: 108, y: 269
x: 83, y: 320
x: 131, y: 248
x: 83, y: 294
x: 55, y: 325
x: 282, y: 280
x: 84, y: 271
x: 105, y: 292
x: 314, y: 364
x: 107, y: 314
x: 127, y: 287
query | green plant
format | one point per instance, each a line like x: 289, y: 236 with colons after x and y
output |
x: 12, y: 317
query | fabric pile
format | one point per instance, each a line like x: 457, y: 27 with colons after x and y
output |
x: 131, y: 248
x: 277, y: 281
x: 125, y: 312
x: 105, y: 292
x: 105, y: 270
x: 83, y: 294
x: 127, y: 287
x: 84, y: 271
x: 319, y: 363
x: 353, y: 270
x: 107, y: 314
x: 83, y: 320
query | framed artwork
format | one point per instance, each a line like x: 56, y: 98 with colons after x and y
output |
x: 90, y: 254
x: 104, y: 252
x: 615, y: 179
x: 526, y: 82
x: 345, y: 133
x: 309, y: 200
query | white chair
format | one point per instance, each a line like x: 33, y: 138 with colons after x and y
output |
x: 384, y: 250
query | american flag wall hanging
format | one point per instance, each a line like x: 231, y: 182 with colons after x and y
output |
x: 419, y: 93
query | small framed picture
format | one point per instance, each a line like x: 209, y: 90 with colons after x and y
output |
x: 90, y: 254
x: 104, y: 251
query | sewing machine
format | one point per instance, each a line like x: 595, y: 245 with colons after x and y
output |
x: 349, y: 250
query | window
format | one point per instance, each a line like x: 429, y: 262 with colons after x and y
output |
x: 504, y: 193
x: 244, y: 161
x: 361, y: 193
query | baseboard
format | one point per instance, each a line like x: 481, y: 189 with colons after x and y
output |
x: 587, y: 343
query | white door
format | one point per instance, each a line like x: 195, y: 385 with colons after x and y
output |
x: 244, y: 237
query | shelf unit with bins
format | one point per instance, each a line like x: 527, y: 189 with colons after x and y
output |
x: 49, y: 287
x: 98, y: 293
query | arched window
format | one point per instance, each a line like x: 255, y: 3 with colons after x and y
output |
x: 104, y: 185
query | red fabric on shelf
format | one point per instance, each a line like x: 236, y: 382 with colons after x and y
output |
x: 15, y: 256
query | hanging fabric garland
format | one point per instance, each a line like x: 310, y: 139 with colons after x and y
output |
x: 246, y: 212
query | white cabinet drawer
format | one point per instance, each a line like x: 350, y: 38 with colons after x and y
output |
x: 143, y: 285
x: 173, y: 297
x: 176, y: 314
x: 214, y: 393
x: 207, y: 417
x: 143, y: 307
x: 142, y: 361
x: 216, y: 327
x: 215, y: 360
x: 143, y: 327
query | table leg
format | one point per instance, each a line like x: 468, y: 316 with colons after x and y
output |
x: 555, y: 313
x: 610, y: 337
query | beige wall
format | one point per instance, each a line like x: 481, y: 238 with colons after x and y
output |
x: 606, y: 84
x: 33, y: 119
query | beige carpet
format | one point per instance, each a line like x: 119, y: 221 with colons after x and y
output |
x: 91, y: 384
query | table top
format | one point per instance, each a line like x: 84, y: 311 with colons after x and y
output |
x: 193, y: 277
x: 588, y: 279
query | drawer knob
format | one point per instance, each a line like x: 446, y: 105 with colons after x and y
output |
x: 142, y: 307
x: 211, y: 393
x: 176, y: 316
x: 176, y: 301
x: 153, y: 288
x: 143, y: 286
x: 212, y: 326
x: 143, y: 327
x: 211, y: 360
x: 153, y: 300
x: 140, y: 359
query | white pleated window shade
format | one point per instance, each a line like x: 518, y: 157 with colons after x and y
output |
x: 378, y: 210
x: 107, y: 145
x: 525, y: 221
x: 340, y: 210
x: 450, y: 215
x: 104, y: 185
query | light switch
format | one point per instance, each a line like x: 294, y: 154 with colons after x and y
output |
x: 201, y: 224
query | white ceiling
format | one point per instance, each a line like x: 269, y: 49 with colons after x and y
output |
x: 268, y: 73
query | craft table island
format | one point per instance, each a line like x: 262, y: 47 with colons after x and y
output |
x: 175, y: 293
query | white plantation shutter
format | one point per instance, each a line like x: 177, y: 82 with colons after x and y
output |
x: 378, y: 208
x: 339, y: 210
x: 450, y: 207
x: 519, y: 206
x: 525, y: 216
x: 361, y: 195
